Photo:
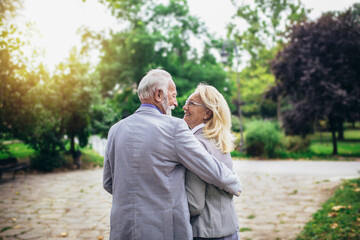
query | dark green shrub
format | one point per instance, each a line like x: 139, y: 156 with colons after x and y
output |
x: 235, y: 123
x: 47, y: 163
x: 295, y: 144
x: 262, y: 137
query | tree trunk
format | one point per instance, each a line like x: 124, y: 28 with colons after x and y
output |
x: 278, y: 109
x: 341, y: 131
x: 72, y: 145
x: 333, y: 133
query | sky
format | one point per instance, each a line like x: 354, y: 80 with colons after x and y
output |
x: 57, y: 21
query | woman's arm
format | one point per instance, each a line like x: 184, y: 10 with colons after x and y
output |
x: 195, y: 190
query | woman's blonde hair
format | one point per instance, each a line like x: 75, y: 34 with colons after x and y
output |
x: 218, y: 127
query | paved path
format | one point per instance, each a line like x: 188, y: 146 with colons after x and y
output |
x: 278, y: 199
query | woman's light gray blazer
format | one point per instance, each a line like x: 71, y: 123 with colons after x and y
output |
x: 213, y: 213
x: 144, y: 170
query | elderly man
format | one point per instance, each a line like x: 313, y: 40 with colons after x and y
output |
x: 144, y: 167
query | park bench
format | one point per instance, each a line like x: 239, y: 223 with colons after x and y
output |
x: 11, y: 164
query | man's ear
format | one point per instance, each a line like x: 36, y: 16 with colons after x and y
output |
x: 158, y: 94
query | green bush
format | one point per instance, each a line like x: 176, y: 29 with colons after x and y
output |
x: 295, y: 144
x: 262, y: 137
x: 235, y: 123
x: 47, y: 163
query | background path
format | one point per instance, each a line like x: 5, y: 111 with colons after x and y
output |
x: 278, y: 199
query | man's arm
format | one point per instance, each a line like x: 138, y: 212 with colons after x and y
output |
x: 195, y: 158
x: 107, y: 174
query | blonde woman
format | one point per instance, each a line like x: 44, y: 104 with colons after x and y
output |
x: 212, y: 210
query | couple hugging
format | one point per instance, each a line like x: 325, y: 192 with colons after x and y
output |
x: 170, y: 178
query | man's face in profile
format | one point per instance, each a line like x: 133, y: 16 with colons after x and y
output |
x: 169, y: 102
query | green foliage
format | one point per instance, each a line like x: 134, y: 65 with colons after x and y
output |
x: 245, y: 229
x: 126, y: 102
x: 102, y: 117
x: 126, y: 57
x: 254, y: 81
x: 316, y: 146
x: 45, y: 138
x: 262, y: 137
x: 328, y: 43
x: 295, y: 144
x: 91, y: 157
x: 339, y: 216
x: 15, y: 79
x: 47, y: 162
x: 158, y: 36
x: 259, y: 38
x: 237, y: 154
x: 18, y: 150
x: 235, y: 124
x: 268, y: 109
x: 349, y: 149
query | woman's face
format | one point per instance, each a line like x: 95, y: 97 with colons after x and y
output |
x: 195, y: 111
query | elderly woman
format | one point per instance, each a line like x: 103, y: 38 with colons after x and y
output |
x: 212, y: 210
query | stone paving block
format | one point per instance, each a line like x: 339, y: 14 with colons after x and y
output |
x: 32, y: 234
x: 14, y: 231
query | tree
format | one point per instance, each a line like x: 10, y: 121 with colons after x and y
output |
x: 157, y: 35
x: 318, y: 71
x: 257, y: 40
x: 60, y: 105
x: 15, y: 80
x: 74, y: 98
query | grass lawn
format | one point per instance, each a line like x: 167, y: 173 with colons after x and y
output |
x: 91, y: 157
x: 320, y: 148
x: 321, y: 143
x: 339, y: 217
x: 18, y: 150
x: 21, y: 151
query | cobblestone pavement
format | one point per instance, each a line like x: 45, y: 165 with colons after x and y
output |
x: 73, y: 205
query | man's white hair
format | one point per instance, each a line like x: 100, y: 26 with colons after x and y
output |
x: 153, y: 80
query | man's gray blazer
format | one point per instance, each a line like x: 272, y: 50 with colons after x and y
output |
x: 144, y: 169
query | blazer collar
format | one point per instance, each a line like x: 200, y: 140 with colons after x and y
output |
x: 198, y: 128
x: 147, y: 110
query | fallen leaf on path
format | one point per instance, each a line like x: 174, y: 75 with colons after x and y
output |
x: 337, y: 208
x: 332, y: 214
x: 17, y: 227
x: 334, y: 225
x: 63, y: 234
x: 100, y: 237
x: 13, y: 219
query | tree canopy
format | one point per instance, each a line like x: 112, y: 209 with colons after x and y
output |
x: 318, y: 71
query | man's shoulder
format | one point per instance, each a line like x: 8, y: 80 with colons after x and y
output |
x: 151, y: 119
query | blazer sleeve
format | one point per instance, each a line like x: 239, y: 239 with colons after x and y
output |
x: 194, y: 157
x: 195, y: 191
x: 108, y: 173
